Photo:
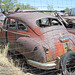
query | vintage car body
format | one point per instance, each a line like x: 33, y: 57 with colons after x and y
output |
x: 71, y: 26
x: 71, y: 30
x: 41, y: 38
x: 71, y: 23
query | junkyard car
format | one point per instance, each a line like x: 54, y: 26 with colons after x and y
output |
x: 71, y: 26
x: 71, y: 30
x: 2, y: 17
x: 71, y: 23
x: 41, y: 38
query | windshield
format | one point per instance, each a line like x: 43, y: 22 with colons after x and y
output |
x: 47, y: 22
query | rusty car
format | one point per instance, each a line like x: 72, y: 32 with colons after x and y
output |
x: 71, y: 30
x: 41, y: 38
x: 71, y: 23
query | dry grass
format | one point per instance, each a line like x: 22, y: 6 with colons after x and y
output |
x: 7, y: 68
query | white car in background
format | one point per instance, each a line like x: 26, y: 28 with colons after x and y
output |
x: 2, y: 17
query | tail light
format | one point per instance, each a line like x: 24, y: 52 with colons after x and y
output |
x: 46, y: 50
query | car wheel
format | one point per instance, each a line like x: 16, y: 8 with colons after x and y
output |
x: 68, y: 63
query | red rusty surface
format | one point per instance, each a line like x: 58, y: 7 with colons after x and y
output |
x: 40, y: 39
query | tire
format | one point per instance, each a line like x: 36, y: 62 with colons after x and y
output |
x: 68, y: 63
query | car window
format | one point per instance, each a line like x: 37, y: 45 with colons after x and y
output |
x: 47, y: 22
x: 55, y: 22
x: 21, y: 26
x: 11, y: 23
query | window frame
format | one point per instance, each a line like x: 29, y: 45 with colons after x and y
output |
x: 55, y: 20
x: 50, y: 22
x: 12, y: 27
x: 24, y: 24
x: 6, y: 26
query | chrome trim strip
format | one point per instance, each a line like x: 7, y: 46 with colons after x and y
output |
x: 26, y: 35
x: 39, y: 65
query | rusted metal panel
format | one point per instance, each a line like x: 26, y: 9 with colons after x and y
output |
x: 71, y: 30
x: 30, y: 18
x: 31, y: 49
x: 44, y: 43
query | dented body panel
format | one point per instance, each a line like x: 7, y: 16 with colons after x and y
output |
x: 41, y: 38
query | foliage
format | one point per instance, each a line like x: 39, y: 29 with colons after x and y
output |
x: 67, y: 10
x: 0, y: 1
x: 22, y: 6
x: 12, y: 5
x: 9, y: 4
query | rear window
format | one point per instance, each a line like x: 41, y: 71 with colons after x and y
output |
x: 47, y: 22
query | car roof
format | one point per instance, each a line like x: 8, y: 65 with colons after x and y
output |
x: 30, y: 17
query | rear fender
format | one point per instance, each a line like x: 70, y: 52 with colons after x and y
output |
x: 31, y: 49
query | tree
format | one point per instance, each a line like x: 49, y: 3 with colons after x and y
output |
x: 12, y: 5
x: 50, y: 7
x: 29, y: 7
x: 67, y: 10
x: 22, y: 6
x: 9, y: 4
x: 1, y: 4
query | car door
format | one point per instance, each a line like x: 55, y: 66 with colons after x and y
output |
x: 23, y: 30
x: 3, y: 35
x: 11, y: 32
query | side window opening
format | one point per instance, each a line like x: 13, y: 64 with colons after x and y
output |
x: 47, y: 22
x: 21, y: 26
x: 55, y: 22
x: 11, y: 23
x: 43, y: 22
